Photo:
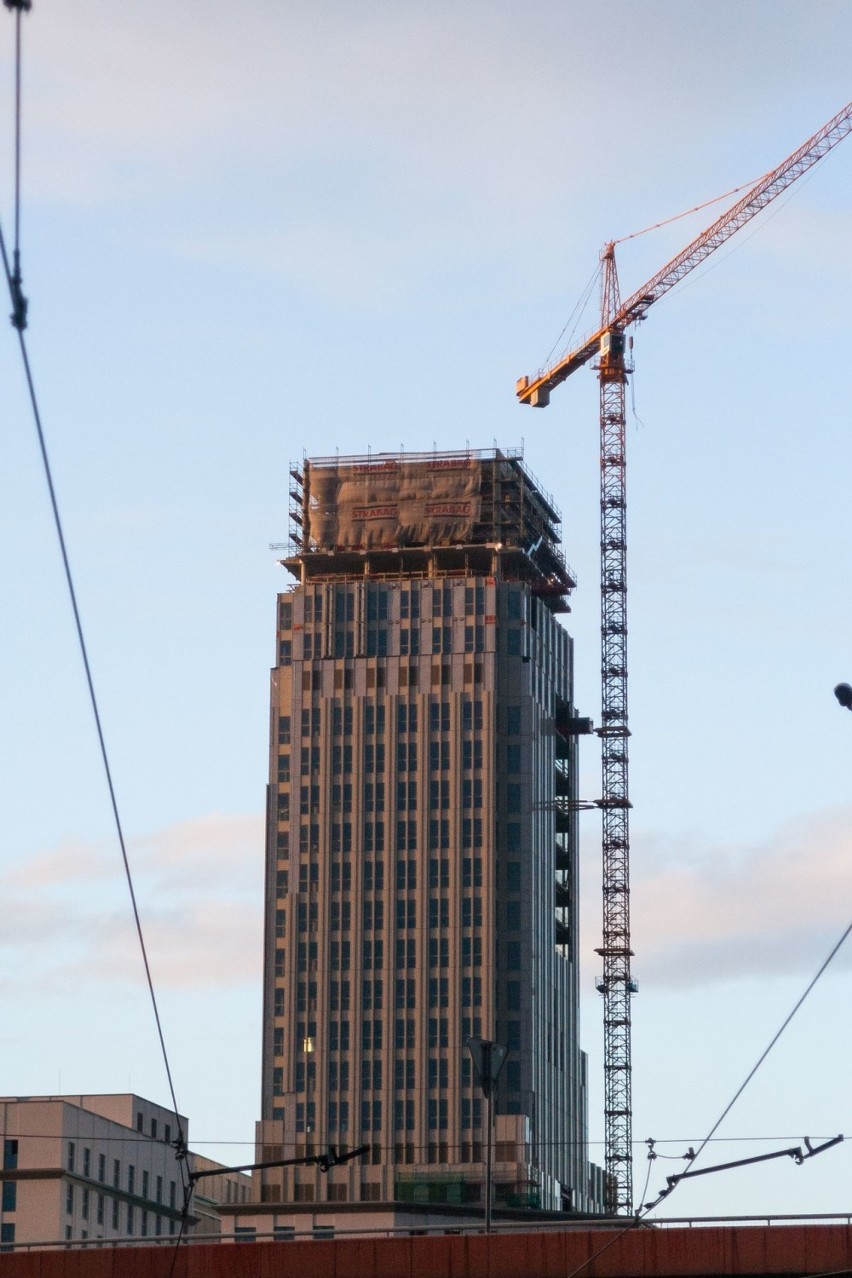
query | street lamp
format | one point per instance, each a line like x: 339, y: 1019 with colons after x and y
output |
x: 843, y: 692
x: 487, y: 1060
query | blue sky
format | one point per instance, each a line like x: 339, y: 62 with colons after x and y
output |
x: 250, y: 231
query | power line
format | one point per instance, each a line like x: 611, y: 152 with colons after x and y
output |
x: 19, y: 310
x: 645, y: 1211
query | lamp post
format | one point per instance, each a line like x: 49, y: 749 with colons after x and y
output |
x: 487, y: 1060
x: 843, y: 692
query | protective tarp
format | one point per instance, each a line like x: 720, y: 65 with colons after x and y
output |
x: 392, y: 503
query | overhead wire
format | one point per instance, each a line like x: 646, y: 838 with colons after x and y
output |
x: 19, y: 320
x: 644, y: 1210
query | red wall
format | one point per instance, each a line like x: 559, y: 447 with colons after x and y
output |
x: 639, y: 1253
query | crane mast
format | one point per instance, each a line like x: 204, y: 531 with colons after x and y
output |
x: 616, y: 984
x: 607, y: 345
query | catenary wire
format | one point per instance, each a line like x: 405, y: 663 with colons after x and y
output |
x: 643, y: 1212
x: 788, y: 1018
x: 91, y: 688
x: 249, y: 1142
x: 19, y: 312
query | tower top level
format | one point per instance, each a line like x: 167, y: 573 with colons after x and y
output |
x: 392, y: 515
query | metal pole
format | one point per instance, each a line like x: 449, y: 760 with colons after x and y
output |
x: 489, y: 1118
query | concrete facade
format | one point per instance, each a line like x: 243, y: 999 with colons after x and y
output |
x: 421, y: 855
x: 78, y: 1168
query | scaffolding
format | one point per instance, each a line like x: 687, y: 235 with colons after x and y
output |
x: 431, y: 514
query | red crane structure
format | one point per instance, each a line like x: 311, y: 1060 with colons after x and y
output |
x: 607, y: 346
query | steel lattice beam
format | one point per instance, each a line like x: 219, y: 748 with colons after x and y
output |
x: 616, y: 985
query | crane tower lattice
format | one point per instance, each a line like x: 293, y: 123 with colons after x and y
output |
x: 607, y: 345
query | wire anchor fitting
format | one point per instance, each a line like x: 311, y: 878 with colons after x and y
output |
x: 19, y: 301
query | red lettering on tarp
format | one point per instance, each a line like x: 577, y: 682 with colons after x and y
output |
x: 450, y: 463
x: 363, y: 468
x: 375, y: 512
x: 448, y: 508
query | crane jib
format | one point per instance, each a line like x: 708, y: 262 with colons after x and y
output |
x: 536, y: 391
x: 606, y: 348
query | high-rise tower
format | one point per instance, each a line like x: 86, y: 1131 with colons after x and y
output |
x: 421, y: 880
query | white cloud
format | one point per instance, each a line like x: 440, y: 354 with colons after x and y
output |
x: 199, y: 889
x: 703, y: 913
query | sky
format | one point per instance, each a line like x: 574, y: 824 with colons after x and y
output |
x: 255, y: 231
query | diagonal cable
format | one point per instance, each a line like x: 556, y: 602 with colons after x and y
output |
x: 90, y: 684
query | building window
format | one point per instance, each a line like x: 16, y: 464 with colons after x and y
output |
x: 439, y: 1031
x: 71, y: 1152
x: 439, y: 992
x: 404, y: 1036
x: 471, y: 1114
x: 9, y: 1199
x: 7, y: 1237
x: 472, y: 871
x: 371, y: 1116
x: 472, y: 911
x: 439, y: 912
x: 10, y: 1155
x: 69, y: 1200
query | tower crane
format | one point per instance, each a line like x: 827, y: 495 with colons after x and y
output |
x: 608, y: 347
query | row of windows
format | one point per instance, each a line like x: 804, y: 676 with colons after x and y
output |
x: 374, y: 757
x: 84, y: 1201
x: 440, y: 794
x: 86, y: 1170
x: 375, y: 719
x: 409, y: 675
x: 446, y: 599
x: 373, y: 959
x: 406, y: 832
x: 372, y: 1032
x: 405, y: 994
x: 373, y: 914
x: 404, y: 1070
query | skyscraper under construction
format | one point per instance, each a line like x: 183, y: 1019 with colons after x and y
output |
x: 421, y: 882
